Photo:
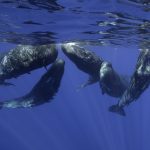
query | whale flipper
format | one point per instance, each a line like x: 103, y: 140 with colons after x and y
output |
x: 90, y: 81
x: 117, y: 109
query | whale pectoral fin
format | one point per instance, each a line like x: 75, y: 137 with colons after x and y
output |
x: 90, y: 81
x: 104, y: 89
x: 117, y: 109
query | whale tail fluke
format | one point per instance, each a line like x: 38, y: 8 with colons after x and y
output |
x: 117, y: 109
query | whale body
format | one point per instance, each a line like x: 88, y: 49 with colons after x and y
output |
x: 140, y: 81
x: 25, y: 58
x: 85, y: 61
x: 43, y: 91
x: 111, y: 82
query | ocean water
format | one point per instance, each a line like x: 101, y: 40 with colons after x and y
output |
x: 115, y: 30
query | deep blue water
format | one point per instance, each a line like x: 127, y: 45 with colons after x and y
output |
x: 76, y: 120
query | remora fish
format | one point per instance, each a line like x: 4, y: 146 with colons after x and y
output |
x: 25, y: 58
x: 140, y: 81
x: 85, y: 60
x: 110, y: 81
x: 43, y: 91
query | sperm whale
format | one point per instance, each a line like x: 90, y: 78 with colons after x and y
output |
x: 140, y: 81
x: 43, y: 91
x: 25, y: 58
x: 85, y: 60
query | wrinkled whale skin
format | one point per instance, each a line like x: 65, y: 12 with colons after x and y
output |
x: 85, y: 60
x: 93, y: 65
x: 43, y: 91
x: 140, y: 81
x: 25, y: 58
x: 111, y: 82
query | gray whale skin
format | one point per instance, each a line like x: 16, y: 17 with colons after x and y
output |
x: 43, y: 91
x: 25, y: 58
x: 139, y: 82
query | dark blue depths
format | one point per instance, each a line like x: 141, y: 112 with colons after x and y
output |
x: 74, y: 120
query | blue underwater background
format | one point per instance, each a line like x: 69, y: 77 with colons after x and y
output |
x: 115, y: 30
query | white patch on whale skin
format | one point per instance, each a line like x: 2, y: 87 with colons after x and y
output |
x: 70, y: 44
x: 4, y: 61
x: 104, y: 69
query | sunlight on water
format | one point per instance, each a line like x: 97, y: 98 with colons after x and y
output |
x: 48, y: 22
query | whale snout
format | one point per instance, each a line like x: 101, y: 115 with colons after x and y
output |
x: 68, y: 48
